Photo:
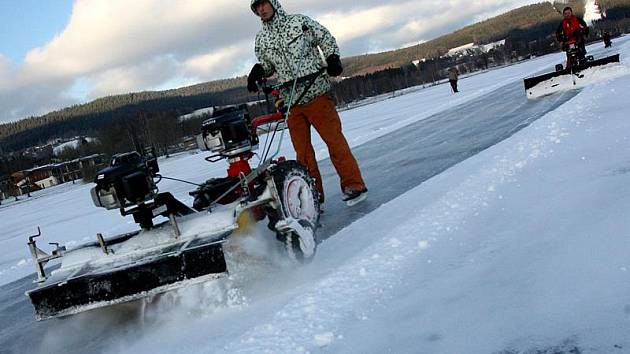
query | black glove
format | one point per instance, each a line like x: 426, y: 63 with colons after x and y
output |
x: 334, y: 65
x: 255, y: 76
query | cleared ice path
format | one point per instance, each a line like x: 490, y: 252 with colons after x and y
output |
x: 395, y: 163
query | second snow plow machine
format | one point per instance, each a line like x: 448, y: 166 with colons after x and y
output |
x: 187, y: 246
x: 566, y: 78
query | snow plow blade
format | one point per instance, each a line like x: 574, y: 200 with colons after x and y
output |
x: 549, y: 83
x: 156, y: 271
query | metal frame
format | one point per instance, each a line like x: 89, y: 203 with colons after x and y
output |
x: 40, y: 258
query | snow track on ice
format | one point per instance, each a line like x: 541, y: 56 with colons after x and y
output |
x: 363, y: 281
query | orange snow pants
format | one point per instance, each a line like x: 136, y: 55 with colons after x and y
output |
x: 322, y: 114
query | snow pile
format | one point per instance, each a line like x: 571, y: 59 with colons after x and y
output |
x: 461, y: 49
x: 72, y: 144
x: 198, y: 113
x: 472, y: 47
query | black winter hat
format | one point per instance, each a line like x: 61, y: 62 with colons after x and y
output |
x: 256, y: 3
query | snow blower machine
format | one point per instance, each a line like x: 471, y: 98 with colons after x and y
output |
x: 566, y: 78
x: 185, y: 246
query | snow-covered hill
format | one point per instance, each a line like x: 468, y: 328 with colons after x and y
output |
x: 522, y: 248
x: 72, y: 144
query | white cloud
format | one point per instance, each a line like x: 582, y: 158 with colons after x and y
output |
x: 33, y: 100
x: 373, y: 26
x: 102, y: 35
x: 124, y: 79
x: 217, y: 63
x: 347, y: 26
x: 117, y: 46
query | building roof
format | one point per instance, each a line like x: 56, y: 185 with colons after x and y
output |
x: 42, y: 168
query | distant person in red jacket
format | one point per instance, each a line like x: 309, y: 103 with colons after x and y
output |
x: 572, y: 30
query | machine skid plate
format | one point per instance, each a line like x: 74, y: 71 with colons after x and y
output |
x: 531, y: 82
x: 87, y: 288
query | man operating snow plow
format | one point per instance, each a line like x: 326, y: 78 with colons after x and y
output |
x: 571, y: 33
x: 187, y: 247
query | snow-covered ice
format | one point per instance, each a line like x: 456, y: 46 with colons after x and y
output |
x: 522, y: 248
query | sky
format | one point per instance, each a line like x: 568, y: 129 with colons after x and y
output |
x: 55, y: 53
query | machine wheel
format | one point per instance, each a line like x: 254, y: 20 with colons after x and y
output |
x: 293, y: 247
x: 299, y: 201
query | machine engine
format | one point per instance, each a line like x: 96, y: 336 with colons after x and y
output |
x: 128, y: 181
x: 227, y: 133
